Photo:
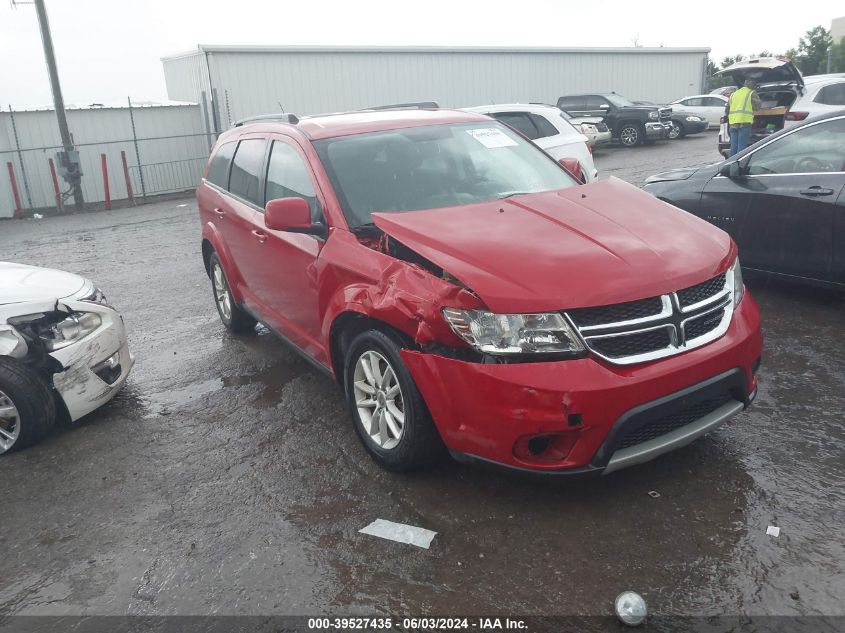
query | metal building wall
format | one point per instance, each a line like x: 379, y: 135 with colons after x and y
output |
x: 173, y: 147
x: 256, y: 80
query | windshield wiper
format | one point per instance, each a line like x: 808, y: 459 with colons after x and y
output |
x: 511, y: 194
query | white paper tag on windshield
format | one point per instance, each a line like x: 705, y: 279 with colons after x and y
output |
x: 491, y: 137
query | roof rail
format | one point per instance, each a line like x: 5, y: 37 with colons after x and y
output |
x: 285, y: 118
x: 422, y: 105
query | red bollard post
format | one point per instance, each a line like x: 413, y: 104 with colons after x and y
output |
x: 59, y: 205
x: 106, y: 180
x: 17, y: 196
x: 128, y: 179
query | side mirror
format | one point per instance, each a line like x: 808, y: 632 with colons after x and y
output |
x: 732, y: 170
x: 288, y: 214
x: 572, y: 167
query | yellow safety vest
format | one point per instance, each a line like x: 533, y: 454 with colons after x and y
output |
x: 741, y: 107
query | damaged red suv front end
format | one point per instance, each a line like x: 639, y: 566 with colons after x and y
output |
x: 465, y: 290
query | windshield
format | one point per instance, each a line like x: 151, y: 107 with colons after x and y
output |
x: 434, y: 167
x: 618, y: 101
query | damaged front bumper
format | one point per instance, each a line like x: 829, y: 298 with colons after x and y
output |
x: 585, y: 411
x: 96, y: 367
x: 85, y: 373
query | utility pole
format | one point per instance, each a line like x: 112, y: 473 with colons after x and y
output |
x: 68, y: 159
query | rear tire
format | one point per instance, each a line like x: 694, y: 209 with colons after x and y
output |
x: 631, y: 134
x: 27, y: 408
x: 387, y: 410
x: 233, y: 316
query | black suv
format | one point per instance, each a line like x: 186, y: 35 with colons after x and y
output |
x: 630, y: 124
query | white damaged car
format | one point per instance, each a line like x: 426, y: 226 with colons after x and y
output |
x: 63, y: 350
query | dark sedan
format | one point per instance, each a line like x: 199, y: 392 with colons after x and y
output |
x: 782, y: 200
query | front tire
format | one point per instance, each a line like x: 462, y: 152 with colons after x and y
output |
x: 27, y: 408
x: 233, y: 316
x: 677, y: 131
x: 631, y: 134
x: 387, y: 410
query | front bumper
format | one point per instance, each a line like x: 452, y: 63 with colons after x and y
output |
x: 656, y: 130
x: 483, y: 410
x: 694, y: 127
x: 80, y: 388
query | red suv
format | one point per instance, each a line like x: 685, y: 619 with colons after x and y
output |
x: 466, y: 291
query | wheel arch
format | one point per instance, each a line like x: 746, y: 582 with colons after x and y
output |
x: 346, y: 326
x: 213, y: 242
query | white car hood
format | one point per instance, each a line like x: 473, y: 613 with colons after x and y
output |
x: 21, y: 284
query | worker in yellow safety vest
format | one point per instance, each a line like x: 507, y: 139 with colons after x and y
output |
x: 741, y: 108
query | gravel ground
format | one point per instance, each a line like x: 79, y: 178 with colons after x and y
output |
x: 226, y: 478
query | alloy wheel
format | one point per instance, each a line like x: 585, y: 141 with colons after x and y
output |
x: 629, y: 136
x: 10, y: 423
x: 221, y: 291
x: 675, y: 131
x: 379, y: 400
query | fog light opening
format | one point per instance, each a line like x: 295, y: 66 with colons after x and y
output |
x: 546, y: 449
x: 108, y: 370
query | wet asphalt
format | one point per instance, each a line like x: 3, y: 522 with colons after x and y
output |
x: 226, y: 477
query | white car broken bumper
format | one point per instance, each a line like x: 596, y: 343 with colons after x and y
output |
x: 96, y: 367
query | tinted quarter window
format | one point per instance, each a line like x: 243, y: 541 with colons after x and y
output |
x: 520, y: 122
x: 245, y: 180
x: 811, y: 149
x: 570, y: 103
x: 832, y: 95
x: 693, y: 102
x: 544, y: 127
x: 713, y: 102
x: 289, y: 177
x: 218, y: 172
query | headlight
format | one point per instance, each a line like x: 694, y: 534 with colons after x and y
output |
x: 693, y: 118
x: 509, y: 334
x: 97, y: 296
x: 73, y: 328
x: 653, y: 114
x: 735, y: 278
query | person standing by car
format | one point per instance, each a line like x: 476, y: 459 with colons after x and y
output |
x: 741, y: 108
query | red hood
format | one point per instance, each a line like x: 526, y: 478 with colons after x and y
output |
x: 607, y: 242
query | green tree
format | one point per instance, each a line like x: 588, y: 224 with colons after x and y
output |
x: 811, y: 56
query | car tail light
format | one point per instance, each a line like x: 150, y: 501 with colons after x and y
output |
x: 589, y: 147
x: 796, y: 116
x: 550, y: 448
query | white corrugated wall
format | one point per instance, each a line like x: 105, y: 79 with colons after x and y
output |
x: 303, y: 81
x: 171, y: 163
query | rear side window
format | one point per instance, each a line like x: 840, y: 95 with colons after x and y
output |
x: 520, y: 122
x: 288, y: 177
x: 245, y: 180
x: 218, y: 172
x: 832, y: 95
x: 544, y: 127
x: 570, y: 103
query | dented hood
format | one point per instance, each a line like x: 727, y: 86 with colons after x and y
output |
x: 20, y: 283
x: 597, y: 244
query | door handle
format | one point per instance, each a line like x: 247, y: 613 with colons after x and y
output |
x: 220, y: 212
x: 817, y: 191
x: 261, y: 236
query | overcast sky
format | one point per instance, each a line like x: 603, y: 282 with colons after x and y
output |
x: 108, y: 49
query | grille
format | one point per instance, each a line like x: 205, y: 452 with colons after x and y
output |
x: 704, y: 324
x: 702, y: 291
x: 665, y: 114
x: 585, y: 317
x: 672, y: 421
x: 632, y: 344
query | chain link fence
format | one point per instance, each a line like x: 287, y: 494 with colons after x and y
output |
x: 127, y: 155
